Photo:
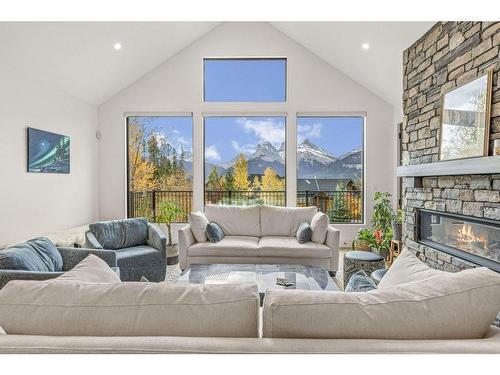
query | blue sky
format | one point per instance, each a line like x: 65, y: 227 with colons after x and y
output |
x: 245, y: 80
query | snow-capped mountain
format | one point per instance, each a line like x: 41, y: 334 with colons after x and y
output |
x: 309, y: 152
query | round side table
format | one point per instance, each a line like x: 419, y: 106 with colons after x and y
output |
x: 355, y: 261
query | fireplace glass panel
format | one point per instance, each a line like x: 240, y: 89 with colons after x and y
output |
x: 480, y: 239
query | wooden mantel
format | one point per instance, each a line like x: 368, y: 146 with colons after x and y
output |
x: 481, y: 165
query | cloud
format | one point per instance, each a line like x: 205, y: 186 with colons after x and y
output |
x: 267, y: 130
x: 212, y: 154
x: 245, y: 149
x: 308, y: 131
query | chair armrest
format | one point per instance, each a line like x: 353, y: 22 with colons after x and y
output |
x: 157, y: 239
x: 333, y: 242
x: 9, y: 275
x: 72, y: 256
x: 91, y: 241
x: 186, y: 239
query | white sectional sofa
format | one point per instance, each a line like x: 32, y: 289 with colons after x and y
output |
x: 259, y: 234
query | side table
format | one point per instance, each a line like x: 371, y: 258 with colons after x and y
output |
x: 355, y: 261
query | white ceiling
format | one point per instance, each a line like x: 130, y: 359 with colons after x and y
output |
x: 379, y: 69
x: 78, y: 58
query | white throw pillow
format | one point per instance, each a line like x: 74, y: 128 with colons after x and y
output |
x: 460, y: 305
x: 319, y: 226
x: 91, y: 269
x: 406, y: 269
x: 198, y: 223
x: 2, y: 332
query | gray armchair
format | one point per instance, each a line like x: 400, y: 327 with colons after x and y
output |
x: 140, y: 247
x: 71, y: 256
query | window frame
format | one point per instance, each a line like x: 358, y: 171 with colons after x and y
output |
x: 283, y: 115
x: 128, y: 115
x: 246, y: 58
x: 363, y: 116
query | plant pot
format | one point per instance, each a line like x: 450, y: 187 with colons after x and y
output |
x: 360, y: 245
x: 172, y: 255
x: 397, y: 229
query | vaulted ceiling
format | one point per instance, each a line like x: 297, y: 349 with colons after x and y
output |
x: 78, y: 58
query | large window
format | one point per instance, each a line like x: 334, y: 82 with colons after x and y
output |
x: 330, y: 166
x: 244, y: 80
x: 160, y: 168
x: 245, y: 160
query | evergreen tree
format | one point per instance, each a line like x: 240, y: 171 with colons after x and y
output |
x: 241, y: 173
x: 340, y: 211
x: 213, y: 182
x: 229, y: 183
x: 154, y: 154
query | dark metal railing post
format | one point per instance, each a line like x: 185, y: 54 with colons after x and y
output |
x: 153, y: 204
x: 307, y: 198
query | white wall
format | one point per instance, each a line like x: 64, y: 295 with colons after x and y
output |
x: 34, y: 203
x: 176, y: 86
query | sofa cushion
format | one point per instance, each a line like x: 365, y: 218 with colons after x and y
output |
x: 288, y: 247
x: 407, y: 268
x: 458, y: 305
x: 319, y: 227
x: 304, y: 233
x: 118, y: 234
x: 236, y: 220
x: 198, y: 223
x: 137, y: 256
x: 214, y: 232
x: 38, y: 254
x: 129, y: 309
x: 284, y: 221
x: 229, y: 246
x: 91, y: 269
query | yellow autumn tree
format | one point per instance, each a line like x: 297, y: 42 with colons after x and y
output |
x: 271, y: 181
x: 142, y: 173
x: 256, y: 185
x: 241, y: 173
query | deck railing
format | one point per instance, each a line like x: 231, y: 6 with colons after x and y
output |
x: 342, y: 206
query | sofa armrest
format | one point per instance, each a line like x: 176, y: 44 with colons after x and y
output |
x: 186, y: 239
x: 157, y: 239
x: 72, y: 256
x: 9, y: 275
x: 91, y: 241
x: 333, y: 242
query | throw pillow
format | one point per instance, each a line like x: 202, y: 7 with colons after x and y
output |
x: 319, y: 226
x: 91, y: 269
x: 304, y: 232
x: 214, y: 232
x: 38, y: 254
x: 405, y: 269
x: 198, y: 223
x: 360, y: 282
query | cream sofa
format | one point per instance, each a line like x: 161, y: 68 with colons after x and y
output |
x: 259, y: 234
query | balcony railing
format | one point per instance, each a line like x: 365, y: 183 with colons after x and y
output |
x: 342, y: 206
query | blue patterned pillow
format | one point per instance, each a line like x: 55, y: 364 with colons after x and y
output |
x: 38, y: 254
x: 304, y: 232
x: 360, y: 282
x: 214, y: 232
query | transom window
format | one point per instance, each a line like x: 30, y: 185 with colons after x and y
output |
x: 244, y: 80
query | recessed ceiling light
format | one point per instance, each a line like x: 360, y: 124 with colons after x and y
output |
x: 365, y: 46
x: 117, y: 46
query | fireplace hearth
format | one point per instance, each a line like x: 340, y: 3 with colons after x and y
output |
x: 476, y: 240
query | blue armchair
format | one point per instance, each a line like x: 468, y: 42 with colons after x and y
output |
x: 140, y: 247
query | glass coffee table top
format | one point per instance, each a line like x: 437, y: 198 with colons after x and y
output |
x: 264, y: 275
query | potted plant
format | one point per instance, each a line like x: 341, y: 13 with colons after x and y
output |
x: 167, y: 213
x: 382, y: 219
x: 397, y: 225
x: 363, y: 240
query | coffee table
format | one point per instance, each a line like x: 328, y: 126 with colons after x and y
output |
x: 264, y: 275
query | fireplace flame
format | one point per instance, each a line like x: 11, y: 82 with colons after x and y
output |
x: 466, y: 237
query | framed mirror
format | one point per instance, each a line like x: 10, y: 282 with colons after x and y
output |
x: 465, y: 119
